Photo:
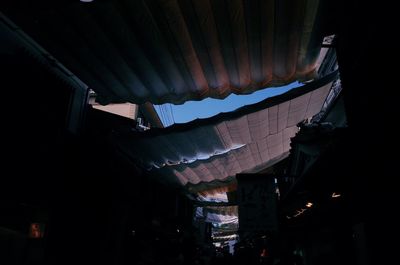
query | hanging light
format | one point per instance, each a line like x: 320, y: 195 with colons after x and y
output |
x: 309, y: 204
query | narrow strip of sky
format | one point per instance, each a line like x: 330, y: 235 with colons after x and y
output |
x: 209, y: 107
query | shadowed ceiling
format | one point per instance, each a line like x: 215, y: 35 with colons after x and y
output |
x: 176, y: 50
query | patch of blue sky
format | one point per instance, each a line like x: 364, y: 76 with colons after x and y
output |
x: 209, y: 107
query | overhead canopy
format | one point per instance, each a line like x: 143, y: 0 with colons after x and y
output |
x: 253, y: 158
x: 223, y: 216
x: 173, y: 51
x: 223, y: 210
x: 215, y: 197
x: 221, y: 189
x: 246, y: 140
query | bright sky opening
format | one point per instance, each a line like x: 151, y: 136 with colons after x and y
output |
x: 209, y: 107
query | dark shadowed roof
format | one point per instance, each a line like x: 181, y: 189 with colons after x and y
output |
x: 173, y: 51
